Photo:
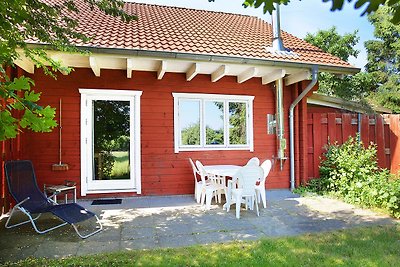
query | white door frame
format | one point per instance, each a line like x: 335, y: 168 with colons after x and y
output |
x: 132, y: 185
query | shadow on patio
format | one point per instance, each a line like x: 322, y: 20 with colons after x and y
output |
x: 154, y: 222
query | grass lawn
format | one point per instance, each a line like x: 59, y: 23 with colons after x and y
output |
x: 368, y: 246
x: 121, y: 165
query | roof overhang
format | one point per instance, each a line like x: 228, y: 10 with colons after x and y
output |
x: 334, y: 102
x: 217, y: 66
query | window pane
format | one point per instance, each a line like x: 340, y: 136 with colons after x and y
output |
x: 189, y: 121
x: 214, y: 120
x: 237, y: 123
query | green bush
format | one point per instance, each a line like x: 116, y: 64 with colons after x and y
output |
x: 351, y: 171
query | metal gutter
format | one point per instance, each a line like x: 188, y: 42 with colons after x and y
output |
x: 314, y: 80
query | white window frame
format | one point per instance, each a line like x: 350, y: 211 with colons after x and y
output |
x: 202, y: 98
x: 86, y: 136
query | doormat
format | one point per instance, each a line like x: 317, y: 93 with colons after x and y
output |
x: 113, y: 201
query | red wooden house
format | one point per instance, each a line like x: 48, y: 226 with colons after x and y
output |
x: 175, y: 84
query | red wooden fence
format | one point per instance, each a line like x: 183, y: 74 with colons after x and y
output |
x: 6, y: 149
x: 383, y: 130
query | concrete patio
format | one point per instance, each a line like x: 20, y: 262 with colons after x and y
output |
x: 157, y: 222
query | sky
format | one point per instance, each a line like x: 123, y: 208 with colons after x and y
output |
x: 297, y: 18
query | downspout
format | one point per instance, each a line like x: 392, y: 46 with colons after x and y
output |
x: 314, y: 80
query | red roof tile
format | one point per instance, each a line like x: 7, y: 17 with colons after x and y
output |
x: 174, y: 29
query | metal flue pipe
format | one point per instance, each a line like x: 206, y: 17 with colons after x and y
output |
x: 277, y: 44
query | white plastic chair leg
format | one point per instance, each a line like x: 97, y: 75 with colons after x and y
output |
x: 203, y: 197
x: 238, y: 204
x: 256, y: 203
x: 209, y: 195
x: 198, y: 193
x: 263, y: 198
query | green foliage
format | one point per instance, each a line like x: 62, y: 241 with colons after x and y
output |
x: 350, y: 171
x: 22, y: 101
x: 351, y: 87
x: 33, y: 21
x: 214, y: 137
x: 237, y: 121
x: 111, y: 133
x: 55, y: 26
x: 191, y: 135
x: 332, y: 42
x: 372, y: 5
x: 384, y: 59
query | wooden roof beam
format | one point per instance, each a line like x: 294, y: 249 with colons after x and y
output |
x: 219, y: 73
x: 129, y: 67
x: 297, y: 77
x: 192, y: 71
x: 247, y: 74
x: 273, y: 76
x: 162, y: 69
x: 94, y: 66
x: 25, y: 64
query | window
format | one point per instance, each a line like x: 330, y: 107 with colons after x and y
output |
x: 213, y: 122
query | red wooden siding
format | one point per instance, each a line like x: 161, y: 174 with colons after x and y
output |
x: 163, y: 171
x: 382, y: 130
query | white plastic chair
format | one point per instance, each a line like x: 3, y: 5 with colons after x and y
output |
x: 260, y: 187
x: 197, y: 183
x: 254, y: 161
x: 210, y: 188
x: 242, y: 188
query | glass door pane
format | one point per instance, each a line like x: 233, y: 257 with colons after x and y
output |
x: 111, y: 140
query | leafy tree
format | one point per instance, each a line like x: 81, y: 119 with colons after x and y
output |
x: 44, y: 22
x: 372, y: 5
x: 352, y: 87
x: 384, y: 59
x: 191, y: 134
x: 214, y: 137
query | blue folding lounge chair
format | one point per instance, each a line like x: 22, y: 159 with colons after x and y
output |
x: 31, y: 201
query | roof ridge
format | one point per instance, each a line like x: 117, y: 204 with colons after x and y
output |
x: 195, y: 9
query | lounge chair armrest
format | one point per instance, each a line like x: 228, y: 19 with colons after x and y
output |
x: 22, y: 202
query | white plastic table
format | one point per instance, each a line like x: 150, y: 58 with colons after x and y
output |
x: 222, y: 170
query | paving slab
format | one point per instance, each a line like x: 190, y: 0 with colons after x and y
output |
x: 175, y: 221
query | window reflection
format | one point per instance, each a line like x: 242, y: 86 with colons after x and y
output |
x: 189, y: 116
x: 214, y: 120
x: 237, y: 123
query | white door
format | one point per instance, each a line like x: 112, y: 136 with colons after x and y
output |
x: 110, y: 128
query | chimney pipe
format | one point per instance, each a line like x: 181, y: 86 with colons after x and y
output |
x: 277, y: 44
